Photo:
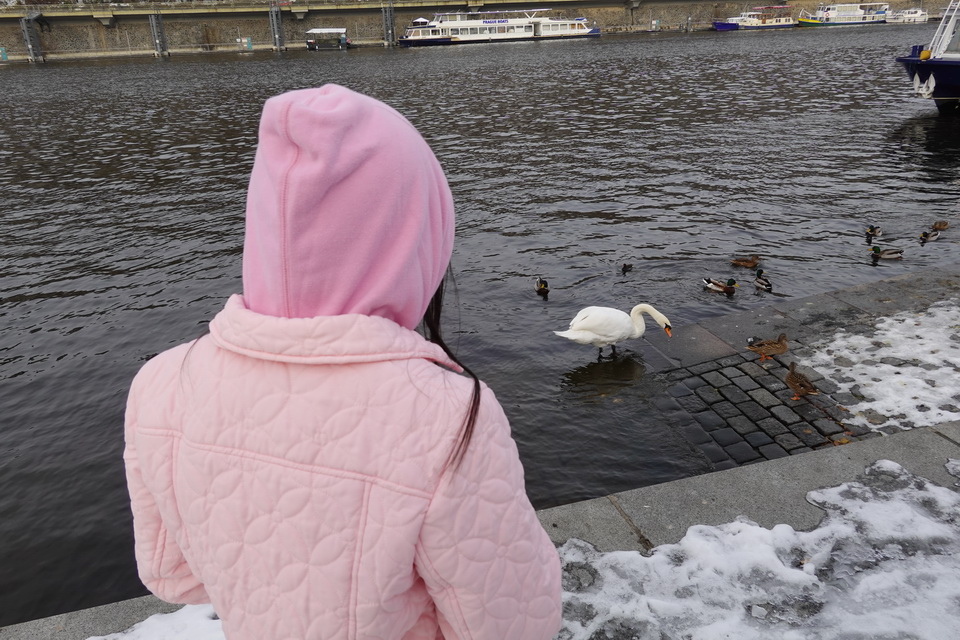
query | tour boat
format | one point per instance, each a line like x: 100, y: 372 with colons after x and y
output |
x: 935, y: 69
x: 906, y: 16
x: 845, y: 15
x: 493, y: 26
x: 775, y: 17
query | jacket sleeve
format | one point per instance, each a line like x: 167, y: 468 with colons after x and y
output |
x: 489, y: 566
x: 160, y: 561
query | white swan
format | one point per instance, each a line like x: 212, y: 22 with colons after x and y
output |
x: 602, y: 326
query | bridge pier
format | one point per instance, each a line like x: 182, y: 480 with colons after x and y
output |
x: 106, y: 18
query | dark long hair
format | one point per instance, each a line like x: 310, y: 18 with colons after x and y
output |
x: 431, y: 329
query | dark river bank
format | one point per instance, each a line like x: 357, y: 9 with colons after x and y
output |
x: 122, y: 188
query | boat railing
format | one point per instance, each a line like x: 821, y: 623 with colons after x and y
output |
x: 945, y: 30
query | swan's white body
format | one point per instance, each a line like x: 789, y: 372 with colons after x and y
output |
x: 604, y: 326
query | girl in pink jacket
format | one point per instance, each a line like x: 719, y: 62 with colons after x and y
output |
x: 313, y: 467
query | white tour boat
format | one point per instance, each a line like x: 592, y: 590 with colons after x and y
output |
x: 845, y: 15
x: 908, y: 15
x: 493, y: 26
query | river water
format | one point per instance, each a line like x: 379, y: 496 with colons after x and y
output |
x: 122, y: 185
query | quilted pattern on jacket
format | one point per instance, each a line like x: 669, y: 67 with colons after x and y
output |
x: 291, y: 472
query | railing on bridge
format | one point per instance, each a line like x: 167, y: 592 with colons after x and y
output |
x: 190, y: 5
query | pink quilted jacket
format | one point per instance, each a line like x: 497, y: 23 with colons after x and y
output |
x: 289, y: 467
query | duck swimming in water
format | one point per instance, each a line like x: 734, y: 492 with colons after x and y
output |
x: 887, y: 254
x: 606, y: 326
x: 719, y: 286
x: 762, y: 283
x: 940, y: 225
x: 873, y: 232
x: 626, y: 267
x: 750, y: 262
x: 542, y: 289
x: 928, y: 236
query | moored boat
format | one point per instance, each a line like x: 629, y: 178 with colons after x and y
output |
x: 845, y: 15
x: 771, y: 17
x: 494, y: 26
x: 908, y: 16
x: 935, y: 68
x: 327, y: 38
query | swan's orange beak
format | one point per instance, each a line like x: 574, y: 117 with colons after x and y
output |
x: 669, y: 331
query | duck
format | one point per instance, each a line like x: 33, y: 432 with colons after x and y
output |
x: 761, y: 283
x: 542, y: 289
x: 887, y: 254
x: 928, y: 236
x: 873, y: 232
x: 940, y: 225
x: 749, y: 262
x: 606, y: 326
x: 728, y: 288
x: 769, y: 348
x: 799, y: 383
x: 626, y: 266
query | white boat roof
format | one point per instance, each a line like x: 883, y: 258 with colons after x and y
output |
x: 461, y: 13
x: 328, y: 30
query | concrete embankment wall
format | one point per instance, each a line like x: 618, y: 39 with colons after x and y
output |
x: 122, y: 31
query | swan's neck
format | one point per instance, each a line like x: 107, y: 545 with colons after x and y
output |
x: 637, y: 315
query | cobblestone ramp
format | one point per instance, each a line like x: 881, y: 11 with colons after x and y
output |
x: 738, y: 410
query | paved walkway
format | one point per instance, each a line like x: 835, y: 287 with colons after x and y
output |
x: 738, y: 412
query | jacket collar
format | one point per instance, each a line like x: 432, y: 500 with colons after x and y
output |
x: 344, y: 339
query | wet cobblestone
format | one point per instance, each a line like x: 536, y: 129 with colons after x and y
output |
x: 737, y: 409
x: 740, y: 411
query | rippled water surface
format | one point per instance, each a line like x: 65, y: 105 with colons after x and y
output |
x: 122, y: 186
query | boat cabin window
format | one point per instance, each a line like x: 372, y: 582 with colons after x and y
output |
x: 473, y: 31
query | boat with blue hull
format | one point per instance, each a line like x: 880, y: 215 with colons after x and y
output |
x: 935, y: 68
x: 771, y: 17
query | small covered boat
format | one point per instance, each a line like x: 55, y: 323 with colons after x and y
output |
x: 771, y: 17
x: 327, y: 38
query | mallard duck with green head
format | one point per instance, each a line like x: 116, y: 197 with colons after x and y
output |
x: 762, y: 283
x: 886, y: 254
x: 928, y: 236
x: 729, y: 287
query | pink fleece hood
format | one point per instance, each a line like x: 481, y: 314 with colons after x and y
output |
x: 348, y: 211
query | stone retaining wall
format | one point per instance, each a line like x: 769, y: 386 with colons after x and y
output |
x: 84, y: 36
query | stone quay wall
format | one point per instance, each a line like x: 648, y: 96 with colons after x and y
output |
x: 124, y: 29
